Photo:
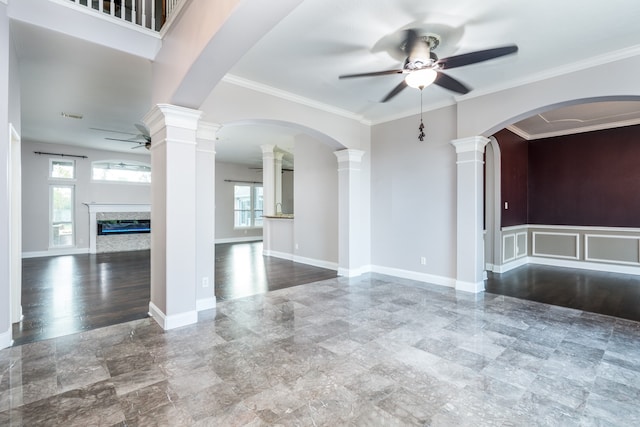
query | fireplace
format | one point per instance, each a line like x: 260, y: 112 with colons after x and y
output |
x: 107, y: 227
x: 119, y: 227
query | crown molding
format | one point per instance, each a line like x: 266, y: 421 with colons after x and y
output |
x: 564, y: 132
x: 594, y: 61
x: 269, y: 90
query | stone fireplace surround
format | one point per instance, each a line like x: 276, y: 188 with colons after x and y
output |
x: 120, y: 242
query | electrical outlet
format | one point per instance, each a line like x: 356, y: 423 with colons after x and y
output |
x: 297, y: 247
x: 423, y: 260
x: 506, y: 205
x: 205, y: 282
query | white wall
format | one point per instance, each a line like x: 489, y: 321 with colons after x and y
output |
x: 315, y: 201
x: 224, y: 202
x: 413, y: 197
x: 35, y: 191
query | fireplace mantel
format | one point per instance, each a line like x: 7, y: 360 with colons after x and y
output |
x: 94, y: 208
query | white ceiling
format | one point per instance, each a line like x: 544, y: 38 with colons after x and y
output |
x: 322, y: 39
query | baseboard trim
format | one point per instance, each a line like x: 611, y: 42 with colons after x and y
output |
x: 316, y: 262
x: 239, y: 239
x: 474, y: 288
x: 6, y: 339
x: 302, y: 260
x: 511, y: 265
x: 173, y: 321
x: 414, y: 275
x: 353, y: 272
x: 55, y: 252
x: 205, y: 303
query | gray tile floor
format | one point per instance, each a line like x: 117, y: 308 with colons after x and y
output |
x: 373, y: 350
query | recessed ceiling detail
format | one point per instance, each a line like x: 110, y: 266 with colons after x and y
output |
x: 579, y: 118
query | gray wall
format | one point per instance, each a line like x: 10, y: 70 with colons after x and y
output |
x: 413, y: 197
x: 224, y: 201
x: 35, y: 191
x: 315, y: 201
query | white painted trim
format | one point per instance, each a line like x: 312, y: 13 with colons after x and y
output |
x: 205, y: 304
x: 508, y: 257
x: 259, y: 87
x: 514, y: 228
x: 239, y: 239
x: 603, y: 236
x: 607, y: 268
x: 573, y: 227
x: 510, y: 266
x: 592, y: 128
x: 474, y: 288
x: 6, y: 339
x: 55, y: 252
x: 276, y: 254
x: 323, y: 264
x: 577, y: 245
x: 414, y: 275
x: 353, y: 272
x: 520, y: 254
x: 174, y: 321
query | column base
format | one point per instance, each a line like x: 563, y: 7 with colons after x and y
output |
x: 173, y: 321
x: 205, y: 303
x: 6, y: 339
x: 472, y: 287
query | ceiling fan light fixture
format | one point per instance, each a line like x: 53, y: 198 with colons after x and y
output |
x: 420, y: 79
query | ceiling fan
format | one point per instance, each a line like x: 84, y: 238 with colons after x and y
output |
x: 422, y: 66
x: 142, y: 139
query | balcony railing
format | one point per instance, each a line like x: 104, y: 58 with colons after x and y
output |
x: 151, y: 14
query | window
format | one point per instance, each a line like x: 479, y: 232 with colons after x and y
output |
x: 121, y: 171
x: 62, y: 169
x: 61, y: 212
x: 247, y: 206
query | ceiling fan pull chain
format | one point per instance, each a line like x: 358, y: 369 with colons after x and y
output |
x: 421, y: 127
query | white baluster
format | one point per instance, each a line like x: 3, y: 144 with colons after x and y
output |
x: 153, y: 15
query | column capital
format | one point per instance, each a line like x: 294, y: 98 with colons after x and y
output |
x: 207, y: 130
x: 162, y: 115
x: 349, y: 155
x: 473, y: 143
x: 278, y: 155
x: 267, y: 149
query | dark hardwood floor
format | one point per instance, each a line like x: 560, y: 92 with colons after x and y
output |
x: 73, y: 293
x: 241, y: 270
x: 612, y: 294
x: 68, y: 294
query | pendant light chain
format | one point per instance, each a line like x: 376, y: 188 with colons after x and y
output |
x: 421, y: 127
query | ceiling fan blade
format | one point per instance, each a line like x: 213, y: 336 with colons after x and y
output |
x: 396, y: 90
x: 113, y: 131
x: 477, y: 56
x: 450, y: 83
x: 374, y: 73
x: 142, y: 128
x: 123, y: 140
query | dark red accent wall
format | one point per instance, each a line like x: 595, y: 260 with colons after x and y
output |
x: 514, y: 173
x: 589, y: 179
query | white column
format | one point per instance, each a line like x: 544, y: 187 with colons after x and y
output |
x: 268, y: 195
x: 277, y: 171
x: 205, y: 214
x: 173, y: 215
x: 5, y: 196
x: 350, y: 237
x: 469, y: 242
x: 268, y: 179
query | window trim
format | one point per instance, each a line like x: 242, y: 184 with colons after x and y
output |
x: 113, y: 181
x: 73, y: 216
x: 59, y: 178
x: 253, y: 209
